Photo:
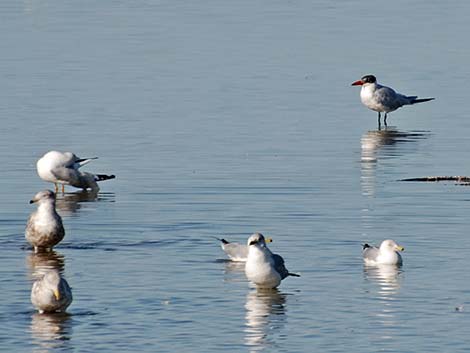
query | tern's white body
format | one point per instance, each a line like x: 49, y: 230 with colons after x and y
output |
x: 382, y: 99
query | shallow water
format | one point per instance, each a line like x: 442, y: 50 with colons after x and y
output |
x: 225, y: 119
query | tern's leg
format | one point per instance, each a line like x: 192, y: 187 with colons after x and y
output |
x: 385, y: 119
x: 378, y: 120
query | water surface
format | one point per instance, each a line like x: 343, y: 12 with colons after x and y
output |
x: 222, y: 119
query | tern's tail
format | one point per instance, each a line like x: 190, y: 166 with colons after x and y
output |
x: 101, y: 177
x: 414, y: 100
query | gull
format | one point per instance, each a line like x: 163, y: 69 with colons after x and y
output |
x: 63, y: 168
x: 51, y: 293
x: 264, y: 268
x: 382, y: 98
x: 236, y: 251
x: 44, y: 228
x: 386, y: 254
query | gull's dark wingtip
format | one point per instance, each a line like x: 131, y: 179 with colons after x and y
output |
x: 223, y: 241
x: 101, y: 177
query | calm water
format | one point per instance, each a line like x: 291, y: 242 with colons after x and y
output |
x: 221, y: 119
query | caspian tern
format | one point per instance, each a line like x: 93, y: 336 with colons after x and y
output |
x: 382, y: 98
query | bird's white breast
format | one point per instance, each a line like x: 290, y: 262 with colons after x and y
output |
x: 369, y: 99
x: 259, y: 268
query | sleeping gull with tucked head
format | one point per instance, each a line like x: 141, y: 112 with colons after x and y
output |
x: 63, y: 168
x: 236, y: 251
x: 264, y: 268
x: 386, y: 254
x: 44, y: 228
x: 51, y: 293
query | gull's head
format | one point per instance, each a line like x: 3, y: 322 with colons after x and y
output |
x: 70, y: 155
x: 41, y: 196
x: 390, y: 245
x: 257, y: 239
x: 367, y: 79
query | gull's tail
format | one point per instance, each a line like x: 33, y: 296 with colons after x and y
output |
x: 101, y: 177
x: 223, y: 241
x: 414, y: 99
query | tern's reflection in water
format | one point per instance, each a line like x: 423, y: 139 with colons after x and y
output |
x: 265, y: 316
x: 69, y: 203
x: 383, y: 144
x: 50, y: 332
x: 387, y: 277
x: 39, y: 263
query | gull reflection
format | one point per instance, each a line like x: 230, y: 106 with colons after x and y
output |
x: 50, y: 332
x: 69, y: 203
x: 384, y: 144
x: 387, y: 277
x: 40, y: 263
x: 234, y: 271
x: 265, y: 316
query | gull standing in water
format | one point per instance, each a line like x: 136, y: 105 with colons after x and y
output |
x: 236, y: 251
x: 386, y: 254
x: 63, y: 168
x: 51, y: 293
x: 382, y: 98
x: 44, y: 228
x: 264, y: 268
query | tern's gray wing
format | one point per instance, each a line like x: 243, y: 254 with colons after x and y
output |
x: 389, y: 98
x: 370, y: 253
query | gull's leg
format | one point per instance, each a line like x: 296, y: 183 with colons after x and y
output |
x: 378, y: 121
x: 63, y: 188
x: 56, y: 187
